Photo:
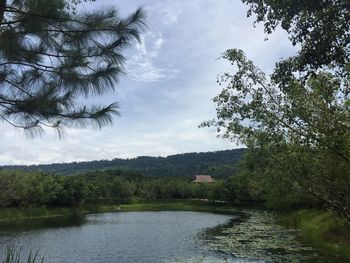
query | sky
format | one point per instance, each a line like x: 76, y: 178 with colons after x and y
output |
x: 168, y: 87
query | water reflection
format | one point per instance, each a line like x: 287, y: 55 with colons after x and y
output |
x: 42, y: 223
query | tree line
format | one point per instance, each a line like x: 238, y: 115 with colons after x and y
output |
x: 32, y: 189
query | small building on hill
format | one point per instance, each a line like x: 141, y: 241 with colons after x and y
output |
x: 203, y: 179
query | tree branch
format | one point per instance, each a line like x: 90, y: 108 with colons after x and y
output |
x: 2, y: 9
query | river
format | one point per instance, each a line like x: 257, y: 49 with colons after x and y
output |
x: 248, y: 236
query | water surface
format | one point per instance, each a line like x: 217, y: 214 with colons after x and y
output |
x: 118, y: 237
x: 247, y: 236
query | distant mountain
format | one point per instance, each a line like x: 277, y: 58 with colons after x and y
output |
x: 218, y: 164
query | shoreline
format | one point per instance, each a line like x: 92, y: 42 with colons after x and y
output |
x: 14, y: 214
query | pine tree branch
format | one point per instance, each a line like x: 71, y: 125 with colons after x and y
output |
x: 2, y: 9
x: 50, y: 56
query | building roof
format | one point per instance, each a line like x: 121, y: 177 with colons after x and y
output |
x: 203, y: 179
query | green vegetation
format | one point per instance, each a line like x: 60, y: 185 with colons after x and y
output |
x: 321, y: 229
x: 256, y: 236
x: 13, y: 255
x: 23, y: 213
x: 38, y: 194
x: 320, y: 28
x: 8, y: 214
x: 298, y: 136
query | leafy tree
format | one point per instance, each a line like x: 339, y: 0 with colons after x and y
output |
x: 50, y: 56
x: 75, y: 191
x: 10, y: 189
x: 38, y: 189
x: 298, y: 123
x: 251, y: 106
x: 321, y: 28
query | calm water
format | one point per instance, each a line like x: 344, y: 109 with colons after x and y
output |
x: 159, y: 237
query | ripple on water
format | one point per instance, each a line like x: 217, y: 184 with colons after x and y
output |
x: 117, y: 237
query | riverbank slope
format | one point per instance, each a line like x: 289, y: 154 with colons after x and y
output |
x: 321, y: 229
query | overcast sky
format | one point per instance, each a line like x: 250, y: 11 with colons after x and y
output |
x: 167, y: 92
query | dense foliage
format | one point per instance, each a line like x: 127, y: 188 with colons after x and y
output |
x: 50, y: 58
x: 218, y: 164
x: 19, y: 189
x: 321, y: 28
x: 296, y: 122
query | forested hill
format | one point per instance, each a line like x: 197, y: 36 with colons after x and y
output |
x: 218, y: 164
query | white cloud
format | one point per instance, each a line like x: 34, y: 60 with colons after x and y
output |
x: 170, y: 16
x: 156, y: 47
x: 174, y: 137
x: 142, y: 65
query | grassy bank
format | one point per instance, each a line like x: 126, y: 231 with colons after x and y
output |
x: 8, y: 214
x: 179, y: 205
x: 323, y: 230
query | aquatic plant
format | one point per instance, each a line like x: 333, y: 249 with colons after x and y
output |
x: 13, y: 255
x: 257, y: 236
